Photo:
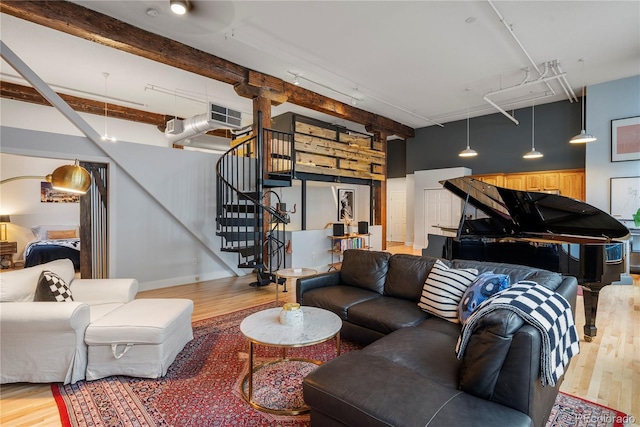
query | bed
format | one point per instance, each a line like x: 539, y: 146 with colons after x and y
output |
x: 53, y: 242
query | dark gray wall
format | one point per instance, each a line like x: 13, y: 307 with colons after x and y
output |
x: 397, y: 155
x: 500, y: 143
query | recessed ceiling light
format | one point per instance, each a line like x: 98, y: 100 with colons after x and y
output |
x: 470, y: 20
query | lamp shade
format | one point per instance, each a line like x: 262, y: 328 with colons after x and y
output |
x: 5, y: 218
x: 71, y: 178
x: 582, y: 138
x: 468, y: 152
x: 533, y: 154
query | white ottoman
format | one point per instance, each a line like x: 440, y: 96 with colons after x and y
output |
x: 140, y: 339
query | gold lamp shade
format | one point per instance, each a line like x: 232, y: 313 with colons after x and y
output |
x: 70, y: 178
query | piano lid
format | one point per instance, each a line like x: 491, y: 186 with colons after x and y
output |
x: 533, y: 214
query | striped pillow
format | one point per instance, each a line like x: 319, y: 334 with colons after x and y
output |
x: 443, y: 290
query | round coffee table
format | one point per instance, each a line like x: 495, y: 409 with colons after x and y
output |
x: 264, y: 328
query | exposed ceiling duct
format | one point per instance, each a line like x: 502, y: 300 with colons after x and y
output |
x: 554, y: 66
x: 557, y: 75
x: 215, y: 143
x: 183, y: 132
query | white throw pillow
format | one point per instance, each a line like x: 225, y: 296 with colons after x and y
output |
x: 40, y: 231
x: 443, y: 290
x: 20, y: 285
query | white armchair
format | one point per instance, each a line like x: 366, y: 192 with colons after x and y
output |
x: 44, y: 341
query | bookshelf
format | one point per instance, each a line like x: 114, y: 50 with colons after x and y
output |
x: 339, y: 244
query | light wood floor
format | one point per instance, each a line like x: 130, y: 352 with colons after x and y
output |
x: 606, y: 371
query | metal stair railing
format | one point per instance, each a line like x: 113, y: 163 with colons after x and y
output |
x: 246, y: 221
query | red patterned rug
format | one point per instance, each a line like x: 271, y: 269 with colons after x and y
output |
x: 202, y: 387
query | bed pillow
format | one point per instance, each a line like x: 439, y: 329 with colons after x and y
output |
x: 61, y: 234
x: 40, y: 231
x: 443, y: 290
x: 482, y: 288
x: 52, y: 287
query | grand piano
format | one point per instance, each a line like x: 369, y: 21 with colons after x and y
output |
x: 539, y: 230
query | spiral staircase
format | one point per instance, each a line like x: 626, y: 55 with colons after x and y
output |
x: 250, y: 218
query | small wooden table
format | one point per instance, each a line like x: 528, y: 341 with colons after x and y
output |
x: 7, y: 249
x: 264, y: 328
x: 292, y: 273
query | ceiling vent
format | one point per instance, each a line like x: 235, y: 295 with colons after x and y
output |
x: 218, y: 117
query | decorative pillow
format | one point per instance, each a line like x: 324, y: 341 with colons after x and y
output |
x: 482, y: 288
x: 61, y: 234
x: 443, y: 290
x: 40, y: 231
x: 51, y: 287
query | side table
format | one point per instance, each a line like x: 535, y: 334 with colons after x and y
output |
x: 289, y: 273
x: 7, y: 249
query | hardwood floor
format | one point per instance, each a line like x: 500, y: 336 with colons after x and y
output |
x: 606, y: 371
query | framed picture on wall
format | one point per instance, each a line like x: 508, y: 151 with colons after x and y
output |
x: 346, y: 204
x: 50, y: 195
x: 625, y: 197
x: 625, y: 139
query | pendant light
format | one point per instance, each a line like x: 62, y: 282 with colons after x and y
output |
x: 468, y: 152
x: 583, y: 137
x: 106, y: 136
x: 533, y: 154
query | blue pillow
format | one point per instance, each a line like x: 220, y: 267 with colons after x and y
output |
x: 485, y: 285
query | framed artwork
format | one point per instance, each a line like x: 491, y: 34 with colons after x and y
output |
x: 50, y: 195
x: 625, y: 197
x: 346, y: 204
x: 625, y: 139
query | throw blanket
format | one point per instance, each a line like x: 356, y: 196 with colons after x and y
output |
x: 67, y: 243
x: 547, y: 311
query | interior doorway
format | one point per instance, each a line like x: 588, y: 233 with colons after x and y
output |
x: 397, y: 216
x: 440, y: 210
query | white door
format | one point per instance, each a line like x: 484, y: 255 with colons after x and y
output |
x: 441, y: 208
x: 397, y: 216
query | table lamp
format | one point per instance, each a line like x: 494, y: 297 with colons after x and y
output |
x: 4, y: 219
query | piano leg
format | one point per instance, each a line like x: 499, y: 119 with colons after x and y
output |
x: 590, y: 298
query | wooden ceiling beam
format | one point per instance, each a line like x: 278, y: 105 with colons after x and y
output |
x: 89, y: 106
x: 84, y: 23
x: 29, y: 94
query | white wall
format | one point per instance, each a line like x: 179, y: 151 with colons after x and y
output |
x: 161, y: 206
x: 322, y: 203
x: 410, y: 238
x: 428, y: 180
x: 47, y: 119
x: 21, y: 199
x: 395, y: 185
x: 311, y: 248
x: 608, y: 101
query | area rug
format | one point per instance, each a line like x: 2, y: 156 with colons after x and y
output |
x: 202, y: 387
x: 573, y: 411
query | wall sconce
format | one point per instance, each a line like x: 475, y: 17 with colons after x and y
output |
x: 70, y: 178
x: 4, y: 219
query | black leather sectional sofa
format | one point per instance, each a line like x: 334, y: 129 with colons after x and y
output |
x: 408, y: 373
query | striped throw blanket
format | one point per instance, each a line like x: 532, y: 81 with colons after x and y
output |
x: 547, y: 311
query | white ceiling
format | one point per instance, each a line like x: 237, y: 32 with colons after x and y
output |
x: 410, y: 61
